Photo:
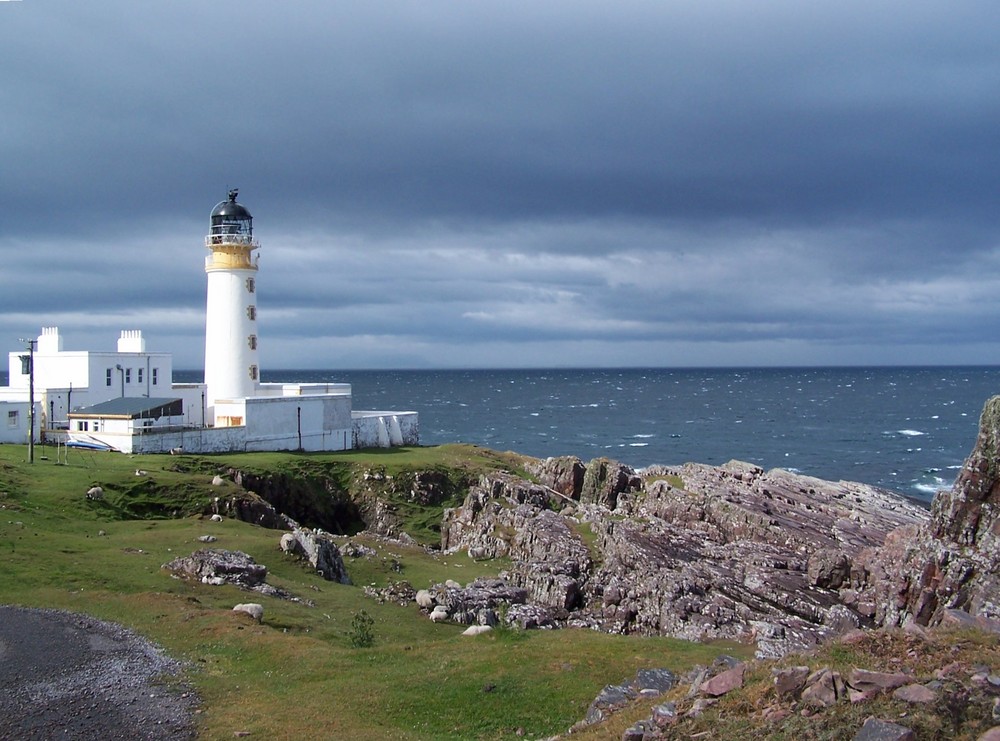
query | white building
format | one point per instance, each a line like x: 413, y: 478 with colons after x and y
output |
x: 126, y: 400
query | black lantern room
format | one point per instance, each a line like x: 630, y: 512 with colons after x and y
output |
x: 231, y: 219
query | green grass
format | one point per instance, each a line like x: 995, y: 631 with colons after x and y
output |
x: 297, y: 674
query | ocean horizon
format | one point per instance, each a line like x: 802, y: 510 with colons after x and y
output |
x: 905, y: 428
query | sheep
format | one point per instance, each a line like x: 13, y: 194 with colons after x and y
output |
x: 95, y: 493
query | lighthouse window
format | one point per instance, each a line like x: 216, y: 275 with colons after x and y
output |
x: 107, y: 378
x: 252, y: 341
x: 252, y: 311
x: 155, y: 374
x: 251, y: 285
x: 138, y: 375
x: 128, y: 375
x: 253, y: 372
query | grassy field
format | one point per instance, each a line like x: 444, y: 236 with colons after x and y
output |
x: 296, y: 675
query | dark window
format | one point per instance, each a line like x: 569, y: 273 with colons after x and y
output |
x: 138, y: 375
x: 252, y: 341
x: 107, y: 377
x: 128, y: 375
x: 155, y: 373
x: 252, y: 311
x: 253, y: 372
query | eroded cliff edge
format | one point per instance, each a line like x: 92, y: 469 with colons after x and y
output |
x: 951, y: 561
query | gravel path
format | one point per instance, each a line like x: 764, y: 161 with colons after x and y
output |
x: 69, y: 676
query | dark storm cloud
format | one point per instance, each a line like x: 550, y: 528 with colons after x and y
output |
x: 442, y: 183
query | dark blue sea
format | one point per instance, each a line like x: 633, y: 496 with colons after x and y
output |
x: 907, y: 429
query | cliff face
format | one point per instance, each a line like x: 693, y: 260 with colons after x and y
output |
x: 952, y: 561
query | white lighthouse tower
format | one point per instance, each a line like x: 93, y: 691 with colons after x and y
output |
x: 231, y: 366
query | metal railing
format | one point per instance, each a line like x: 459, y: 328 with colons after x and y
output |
x: 243, y: 240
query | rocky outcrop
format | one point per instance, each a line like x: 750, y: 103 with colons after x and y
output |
x: 248, y: 507
x: 951, y: 562
x: 505, y: 516
x: 217, y: 567
x: 694, y: 551
x: 319, y: 549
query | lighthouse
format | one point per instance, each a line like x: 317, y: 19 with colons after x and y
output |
x: 232, y: 370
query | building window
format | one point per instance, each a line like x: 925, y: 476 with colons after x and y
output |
x: 155, y: 374
x: 12, y: 419
x: 128, y: 375
x: 253, y: 372
x: 251, y: 285
x: 138, y: 375
x: 252, y: 341
x: 252, y: 311
x: 81, y: 426
x: 107, y: 377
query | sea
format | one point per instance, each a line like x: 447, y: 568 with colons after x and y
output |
x: 906, y: 429
x: 902, y: 428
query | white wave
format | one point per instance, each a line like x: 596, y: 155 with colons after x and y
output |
x: 643, y: 437
x: 928, y: 488
x: 911, y: 433
x: 638, y: 445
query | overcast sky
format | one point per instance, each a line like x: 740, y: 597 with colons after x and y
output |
x: 535, y: 184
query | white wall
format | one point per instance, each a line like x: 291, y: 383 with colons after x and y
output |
x: 18, y: 431
x: 385, y: 429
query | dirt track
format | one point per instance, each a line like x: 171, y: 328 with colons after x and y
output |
x: 69, y: 676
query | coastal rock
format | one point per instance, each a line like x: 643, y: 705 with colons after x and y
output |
x: 319, y: 549
x: 694, y: 551
x: 605, y: 480
x: 951, y: 562
x: 563, y: 475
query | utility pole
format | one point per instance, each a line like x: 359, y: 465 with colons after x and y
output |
x: 31, y: 397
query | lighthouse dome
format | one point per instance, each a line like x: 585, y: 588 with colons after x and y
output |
x: 231, y: 218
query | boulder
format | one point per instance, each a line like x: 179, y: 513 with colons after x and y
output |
x: 916, y: 694
x: 212, y: 566
x: 865, y: 681
x: 789, y: 681
x: 725, y: 682
x: 876, y: 729
x: 217, y: 567
x: 823, y: 689
x: 319, y: 549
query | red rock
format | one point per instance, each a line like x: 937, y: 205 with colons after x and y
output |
x: 864, y: 680
x: 727, y: 681
x: 876, y: 729
x: 790, y: 680
x: 915, y: 693
x: 823, y: 689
